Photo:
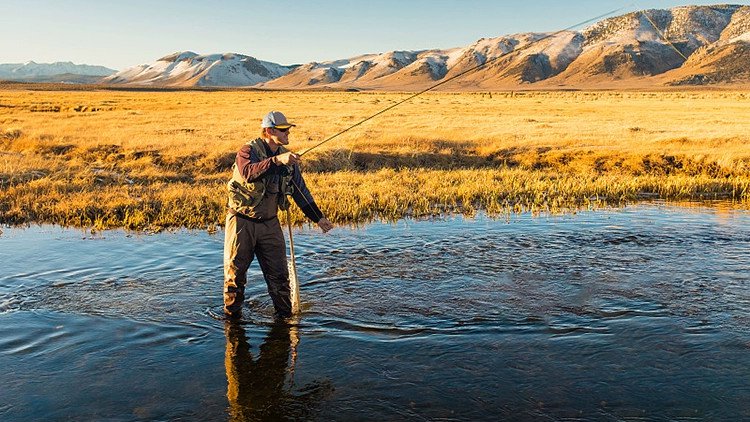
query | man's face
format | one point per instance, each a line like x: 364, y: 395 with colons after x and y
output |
x: 280, y: 136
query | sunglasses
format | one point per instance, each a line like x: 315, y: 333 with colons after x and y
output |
x: 282, y: 130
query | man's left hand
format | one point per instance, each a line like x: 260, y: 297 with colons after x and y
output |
x: 325, y: 225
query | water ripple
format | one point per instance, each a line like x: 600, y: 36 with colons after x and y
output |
x: 640, y: 313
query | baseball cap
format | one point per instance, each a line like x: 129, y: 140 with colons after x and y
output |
x: 277, y: 120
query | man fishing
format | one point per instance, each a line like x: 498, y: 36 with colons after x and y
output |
x: 263, y: 175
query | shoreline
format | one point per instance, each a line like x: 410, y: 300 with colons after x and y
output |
x: 722, y: 206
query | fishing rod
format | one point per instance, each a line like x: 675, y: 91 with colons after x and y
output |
x: 292, y: 264
x: 661, y: 34
x: 294, y: 281
x: 479, y: 66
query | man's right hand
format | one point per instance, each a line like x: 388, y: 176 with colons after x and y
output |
x: 286, y: 159
x: 325, y: 225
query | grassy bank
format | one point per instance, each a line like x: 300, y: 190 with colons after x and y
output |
x: 144, y: 159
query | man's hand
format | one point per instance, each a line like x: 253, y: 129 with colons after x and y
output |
x: 286, y: 159
x: 325, y: 225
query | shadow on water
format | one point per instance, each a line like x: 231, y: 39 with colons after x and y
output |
x: 262, y: 387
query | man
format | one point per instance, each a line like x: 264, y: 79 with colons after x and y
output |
x: 263, y: 174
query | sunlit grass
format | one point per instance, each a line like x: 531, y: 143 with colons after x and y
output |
x: 146, y: 159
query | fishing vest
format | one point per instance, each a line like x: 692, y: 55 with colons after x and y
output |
x: 244, y: 196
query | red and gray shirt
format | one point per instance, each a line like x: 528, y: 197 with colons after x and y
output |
x: 251, y: 167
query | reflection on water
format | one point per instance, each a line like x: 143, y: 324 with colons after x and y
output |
x: 262, y: 387
x: 641, y: 313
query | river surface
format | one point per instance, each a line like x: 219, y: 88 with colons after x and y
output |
x: 641, y: 313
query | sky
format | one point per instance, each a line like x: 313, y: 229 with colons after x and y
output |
x: 120, y: 34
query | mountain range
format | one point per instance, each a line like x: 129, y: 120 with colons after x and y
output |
x: 53, y: 72
x: 687, y: 45
x: 191, y: 69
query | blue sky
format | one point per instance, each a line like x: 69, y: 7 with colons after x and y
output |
x: 120, y: 34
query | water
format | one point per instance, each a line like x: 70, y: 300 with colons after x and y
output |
x: 634, y: 314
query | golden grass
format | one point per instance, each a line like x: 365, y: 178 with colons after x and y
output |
x: 143, y: 159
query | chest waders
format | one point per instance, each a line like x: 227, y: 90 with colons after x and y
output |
x: 256, y: 203
x: 244, y: 197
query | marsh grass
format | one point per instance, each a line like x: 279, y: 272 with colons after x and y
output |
x: 160, y: 159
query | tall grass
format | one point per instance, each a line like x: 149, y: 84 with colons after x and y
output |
x: 160, y: 159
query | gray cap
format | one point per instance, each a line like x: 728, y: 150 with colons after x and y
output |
x: 277, y: 120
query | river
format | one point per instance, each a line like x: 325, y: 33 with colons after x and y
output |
x: 638, y: 313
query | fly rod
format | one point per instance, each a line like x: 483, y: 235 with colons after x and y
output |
x: 479, y: 66
x: 294, y: 281
x: 661, y: 34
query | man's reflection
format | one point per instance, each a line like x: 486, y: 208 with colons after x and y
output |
x: 257, y: 389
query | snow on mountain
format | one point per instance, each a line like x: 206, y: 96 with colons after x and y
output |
x: 724, y: 61
x: 697, y: 26
x: 419, y: 69
x: 309, y: 74
x: 629, y: 47
x: 687, y: 27
x: 191, y: 69
x: 623, y: 49
x: 360, y: 69
x: 532, y: 58
x: 31, y: 71
x: 739, y: 26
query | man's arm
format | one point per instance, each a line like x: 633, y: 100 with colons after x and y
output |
x: 250, y: 165
x: 304, y: 199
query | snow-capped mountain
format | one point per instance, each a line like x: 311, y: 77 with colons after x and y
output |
x: 626, y: 49
x: 190, y: 69
x: 417, y: 69
x: 58, y: 71
x: 724, y: 61
x: 629, y: 46
x: 704, y: 44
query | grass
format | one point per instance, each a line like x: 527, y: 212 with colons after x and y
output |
x: 141, y: 159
